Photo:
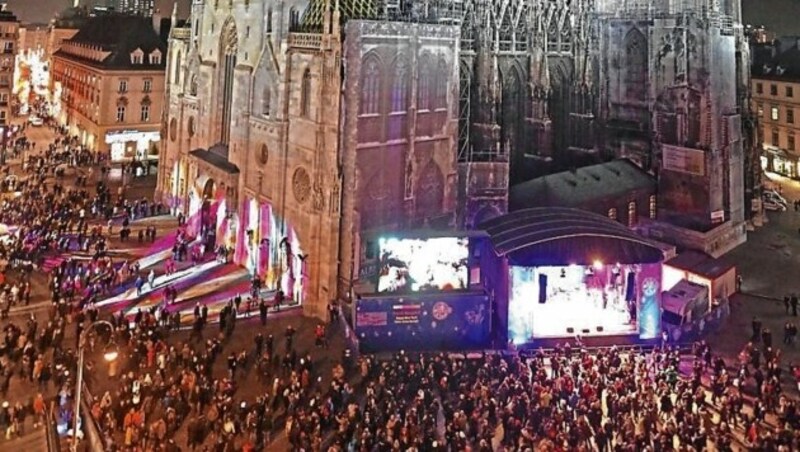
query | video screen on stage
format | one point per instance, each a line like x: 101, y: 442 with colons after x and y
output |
x: 423, y: 265
x: 582, y: 300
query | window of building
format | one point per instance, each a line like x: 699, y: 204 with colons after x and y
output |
x: 775, y: 138
x: 424, y: 88
x: 305, y: 94
x: 120, y: 113
x: 145, y: 114
x: 632, y: 214
x: 760, y: 109
x: 790, y: 145
x: 148, y: 85
x: 612, y: 214
x: 440, y: 90
x: 775, y: 113
x: 123, y: 86
x: 789, y: 91
x: 653, y: 207
x: 400, y: 89
x: 136, y: 58
x: 773, y: 89
x: 759, y: 88
x: 155, y: 57
x: 266, y: 101
x: 790, y: 115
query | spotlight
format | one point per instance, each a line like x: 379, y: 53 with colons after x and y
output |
x: 598, y: 265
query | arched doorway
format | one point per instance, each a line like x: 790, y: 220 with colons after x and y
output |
x: 208, y: 215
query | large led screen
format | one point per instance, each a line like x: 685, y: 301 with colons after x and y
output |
x: 423, y: 265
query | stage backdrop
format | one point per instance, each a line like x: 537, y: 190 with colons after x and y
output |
x: 649, y: 284
x: 423, y: 322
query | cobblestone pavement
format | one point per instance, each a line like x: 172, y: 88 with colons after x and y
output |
x: 769, y: 263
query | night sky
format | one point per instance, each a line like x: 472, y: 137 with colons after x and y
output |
x: 43, y: 10
x: 780, y: 16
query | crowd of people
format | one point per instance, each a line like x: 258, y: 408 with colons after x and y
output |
x: 176, y: 390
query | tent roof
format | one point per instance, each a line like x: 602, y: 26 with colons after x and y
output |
x: 555, y: 236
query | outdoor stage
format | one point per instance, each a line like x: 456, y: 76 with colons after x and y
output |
x: 567, y: 273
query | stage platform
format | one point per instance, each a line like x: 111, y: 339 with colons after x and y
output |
x: 590, y: 342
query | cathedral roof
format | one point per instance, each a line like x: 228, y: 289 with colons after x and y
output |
x: 582, y: 186
x: 348, y: 9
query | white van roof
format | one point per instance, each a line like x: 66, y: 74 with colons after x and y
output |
x: 681, y: 295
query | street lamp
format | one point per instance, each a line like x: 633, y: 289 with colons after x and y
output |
x: 110, y: 356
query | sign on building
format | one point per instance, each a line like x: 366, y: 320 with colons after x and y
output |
x: 684, y: 160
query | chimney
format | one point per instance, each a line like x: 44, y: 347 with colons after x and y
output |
x: 157, y: 21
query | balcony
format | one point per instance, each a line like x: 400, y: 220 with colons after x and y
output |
x: 305, y: 40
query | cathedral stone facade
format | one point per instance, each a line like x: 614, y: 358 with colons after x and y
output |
x: 297, y: 132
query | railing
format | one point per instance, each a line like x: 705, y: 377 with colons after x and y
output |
x: 92, y: 433
x: 51, y: 431
x: 181, y: 33
x: 305, y: 40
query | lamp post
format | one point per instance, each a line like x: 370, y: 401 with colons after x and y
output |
x: 110, y: 357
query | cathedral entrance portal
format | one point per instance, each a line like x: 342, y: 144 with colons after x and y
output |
x: 208, y: 215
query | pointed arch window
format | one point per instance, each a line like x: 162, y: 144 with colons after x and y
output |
x: 176, y: 74
x: 440, y: 90
x: 371, y: 87
x: 305, y: 94
x: 193, y: 86
x: 635, y: 75
x: 424, y: 86
x: 400, y: 86
x: 266, y: 101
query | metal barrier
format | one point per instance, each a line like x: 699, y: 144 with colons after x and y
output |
x: 51, y: 431
x: 92, y: 434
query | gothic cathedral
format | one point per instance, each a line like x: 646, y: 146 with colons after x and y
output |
x: 297, y: 131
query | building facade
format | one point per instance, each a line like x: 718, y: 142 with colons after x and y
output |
x: 776, y: 100
x: 9, y: 46
x: 33, y: 37
x: 299, y: 131
x: 138, y: 7
x: 111, y: 86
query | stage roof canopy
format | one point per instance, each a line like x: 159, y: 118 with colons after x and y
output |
x: 556, y: 236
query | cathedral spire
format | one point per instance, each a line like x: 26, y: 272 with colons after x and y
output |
x: 174, y: 18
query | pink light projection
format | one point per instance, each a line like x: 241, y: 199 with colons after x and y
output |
x: 268, y: 253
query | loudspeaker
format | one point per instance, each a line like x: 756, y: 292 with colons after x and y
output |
x: 571, y: 330
x: 630, y: 289
x: 599, y: 329
x: 542, y: 288
x: 586, y: 331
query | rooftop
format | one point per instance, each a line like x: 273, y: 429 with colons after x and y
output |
x: 558, y: 236
x: 700, y: 264
x: 119, y: 35
x: 581, y: 186
x: 215, y: 159
x: 777, y: 61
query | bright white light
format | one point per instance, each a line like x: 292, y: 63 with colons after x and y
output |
x: 598, y: 265
x: 111, y: 356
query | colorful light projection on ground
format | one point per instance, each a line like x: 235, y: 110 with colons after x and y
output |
x: 419, y: 265
x: 590, y: 300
